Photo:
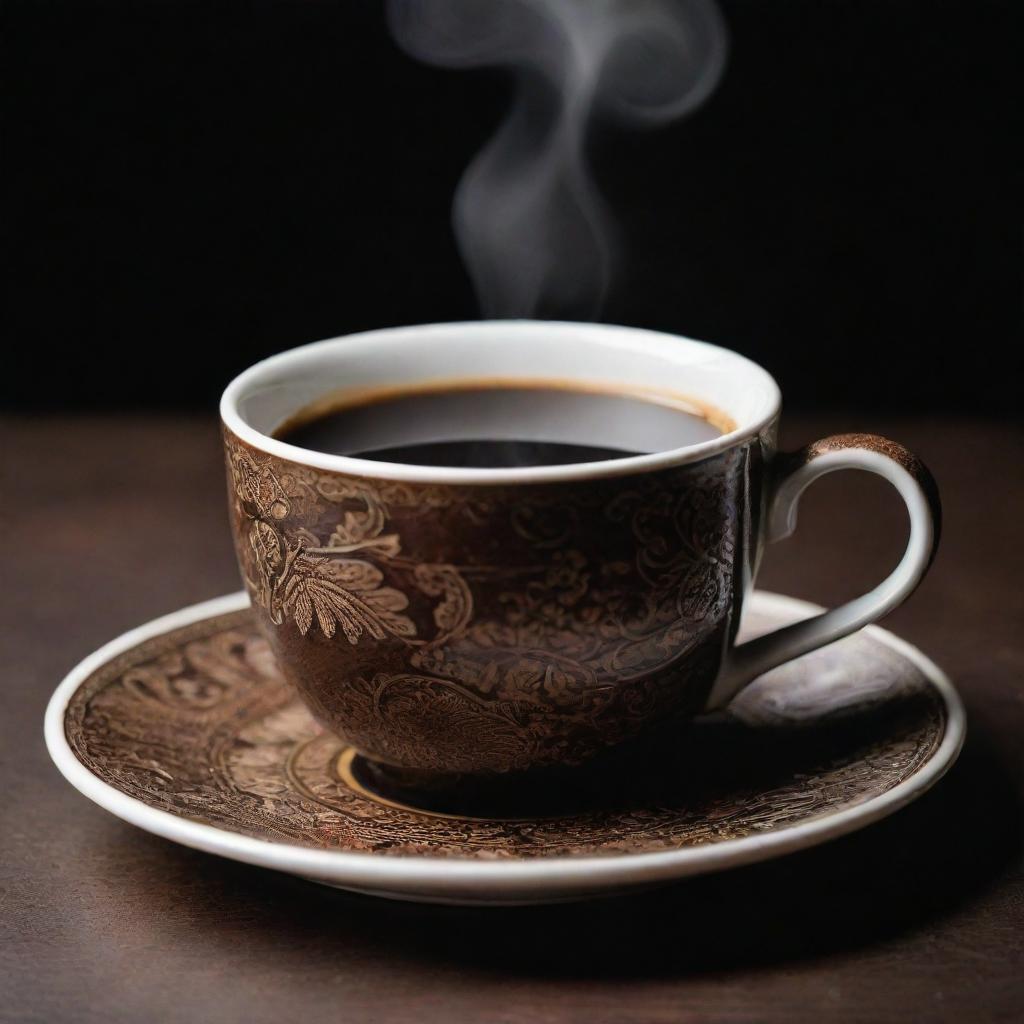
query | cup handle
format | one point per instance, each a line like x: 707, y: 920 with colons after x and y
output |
x: 792, y: 474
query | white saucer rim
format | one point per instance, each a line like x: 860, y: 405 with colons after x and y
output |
x: 419, y: 873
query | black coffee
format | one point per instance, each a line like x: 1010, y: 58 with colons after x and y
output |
x: 489, y: 427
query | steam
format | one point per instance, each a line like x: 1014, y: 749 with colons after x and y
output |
x: 532, y: 227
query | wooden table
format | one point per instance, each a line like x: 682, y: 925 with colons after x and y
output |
x: 107, y: 522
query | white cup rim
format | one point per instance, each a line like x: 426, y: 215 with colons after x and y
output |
x: 762, y: 396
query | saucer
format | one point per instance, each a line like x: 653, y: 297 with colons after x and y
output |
x: 184, y: 728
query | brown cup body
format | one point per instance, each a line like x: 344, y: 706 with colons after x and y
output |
x: 494, y: 628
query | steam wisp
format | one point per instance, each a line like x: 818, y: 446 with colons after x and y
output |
x: 530, y: 223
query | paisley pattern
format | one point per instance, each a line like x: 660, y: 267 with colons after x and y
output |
x: 199, y: 723
x: 494, y: 628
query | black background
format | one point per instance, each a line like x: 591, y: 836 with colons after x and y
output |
x: 192, y: 186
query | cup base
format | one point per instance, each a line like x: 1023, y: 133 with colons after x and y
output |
x: 619, y: 776
x: 473, y: 797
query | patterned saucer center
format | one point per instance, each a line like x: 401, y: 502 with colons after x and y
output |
x: 197, y: 722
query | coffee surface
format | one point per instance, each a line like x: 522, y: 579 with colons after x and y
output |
x: 490, y: 427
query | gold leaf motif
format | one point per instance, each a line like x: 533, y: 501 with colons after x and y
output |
x: 291, y: 573
x: 267, y: 545
x: 362, y: 607
x: 259, y: 486
x: 302, y: 609
x: 353, y: 574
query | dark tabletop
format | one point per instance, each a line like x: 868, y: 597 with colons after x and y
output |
x: 108, y: 522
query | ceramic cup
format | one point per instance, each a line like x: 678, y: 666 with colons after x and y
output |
x: 481, y: 621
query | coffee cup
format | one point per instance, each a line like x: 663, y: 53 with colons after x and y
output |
x: 487, y: 619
